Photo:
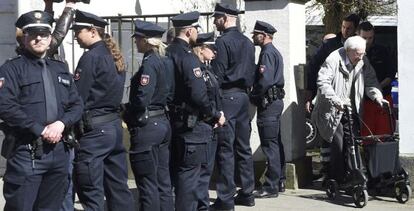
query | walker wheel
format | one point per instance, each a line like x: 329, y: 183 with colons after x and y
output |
x: 332, y: 189
x: 402, y: 192
x: 360, y: 197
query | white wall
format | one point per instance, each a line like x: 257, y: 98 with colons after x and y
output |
x: 7, y: 36
x: 405, y: 74
x: 289, y: 19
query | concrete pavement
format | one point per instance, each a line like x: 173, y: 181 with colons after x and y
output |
x: 310, y: 199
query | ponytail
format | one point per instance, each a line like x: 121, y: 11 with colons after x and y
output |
x: 113, y: 47
x: 157, y: 45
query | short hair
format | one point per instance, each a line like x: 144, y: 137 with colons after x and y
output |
x: 354, y: 18
x: 355, y: 42
x: 366, y: 26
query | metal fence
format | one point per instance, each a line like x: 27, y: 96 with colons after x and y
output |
x: 122, y: 27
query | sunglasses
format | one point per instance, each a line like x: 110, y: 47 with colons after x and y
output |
x: 34, y: 34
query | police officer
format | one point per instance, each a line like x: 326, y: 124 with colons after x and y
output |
x: 38, y: 101
x: 234, y: 65
x: 205, y: 51
x: 192, y: 114
x: 101, y: 160
x: 267, y: 95
x: 147, y: 121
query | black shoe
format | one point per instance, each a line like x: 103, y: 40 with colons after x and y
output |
x: 266, y: 193
x: 220, y: 207
x: 244, y: 200
x: 282, y: 187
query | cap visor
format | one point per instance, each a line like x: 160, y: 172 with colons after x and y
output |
x: 217, y: 13
x: 37, y: 29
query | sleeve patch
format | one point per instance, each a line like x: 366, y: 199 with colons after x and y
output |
x: 144, y: 80
x: 2, y: 80
x: 262, y: 68
x: 197, y: 72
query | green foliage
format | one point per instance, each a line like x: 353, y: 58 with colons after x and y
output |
x: 335, y: 10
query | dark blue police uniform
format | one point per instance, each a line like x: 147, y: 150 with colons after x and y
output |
x: 215, y: 96
x: 149, y: 126
x: 234, y: 65
x: 192, y: 117
x: 36, y: 174
x: 267, y: 95
x: 101, y: 160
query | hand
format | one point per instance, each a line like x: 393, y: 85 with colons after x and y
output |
x: 221, y: 120
x: 308, y: 106
x: 339, y: 106
x: 53, y: 132
x: 382, y: 102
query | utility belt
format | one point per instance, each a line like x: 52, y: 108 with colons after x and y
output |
x: 233, y: 89
x: 135, y: 119
x: 184, y: 116
x: 272, y: 94
x: 16, y: 137
x: 88, y: 122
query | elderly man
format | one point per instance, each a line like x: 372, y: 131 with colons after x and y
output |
x: 342, y: 80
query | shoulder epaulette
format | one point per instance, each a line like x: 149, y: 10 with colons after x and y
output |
x: 14, y: 58
x: 57, y: 59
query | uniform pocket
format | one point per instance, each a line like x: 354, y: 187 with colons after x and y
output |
x: 30, y: 87
x: 142, y: 163
x: 268, y: 129
x: 195, y: 154
x: 83, y: 171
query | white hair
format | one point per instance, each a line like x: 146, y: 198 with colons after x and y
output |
x: 355, y: 42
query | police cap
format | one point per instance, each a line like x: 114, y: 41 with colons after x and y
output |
x: 189, y: 19
x: 35, y: 21
x: 147, y: 29
x: 206, y: 39
x: 225, y: 9
x: 85, y: 19
x: 263, y: 27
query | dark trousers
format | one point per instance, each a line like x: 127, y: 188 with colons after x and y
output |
x: 100, y: 169
x: 268, y: 124
x: 234, y: 150
x: 40, y: 188
x: 149, y: 157
x: 340, y: 160
x: 189, y: 154
x: 207, y: 170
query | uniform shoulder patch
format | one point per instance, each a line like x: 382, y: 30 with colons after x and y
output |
x: 144, y: 80
x: 262, y: 68
x: 197, y: 72
x: 2, y: 80
x: 13, y: 58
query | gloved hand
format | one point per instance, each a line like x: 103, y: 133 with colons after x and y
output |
x: 382, y: 102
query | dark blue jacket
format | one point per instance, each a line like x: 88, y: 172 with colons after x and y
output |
x: 149, y: 86
x: 99, y: 83
x: 234, y: 63
x: 22, y: 97
x: 269, y: 71
x: 190, y: 87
